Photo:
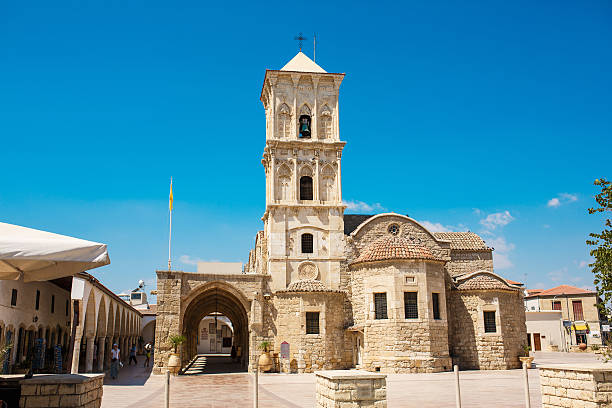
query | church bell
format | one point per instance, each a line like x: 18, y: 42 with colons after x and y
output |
x: 304, y: 126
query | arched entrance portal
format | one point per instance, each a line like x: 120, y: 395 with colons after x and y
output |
x: 221, y: 299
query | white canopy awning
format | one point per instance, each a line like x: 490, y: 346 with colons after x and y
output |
x: 39, y: 255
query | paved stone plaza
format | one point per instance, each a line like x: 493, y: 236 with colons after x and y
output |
x: 136, y: 387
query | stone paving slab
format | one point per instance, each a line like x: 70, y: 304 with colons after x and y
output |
x: 137, y: 388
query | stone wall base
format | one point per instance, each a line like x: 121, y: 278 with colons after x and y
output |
x: 62, y: 390
x: 564, y: 385
x: 351, y: 389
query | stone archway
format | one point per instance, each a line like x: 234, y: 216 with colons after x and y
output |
x: 216, y: 297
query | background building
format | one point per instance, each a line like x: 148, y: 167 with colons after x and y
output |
x: 578, y: 309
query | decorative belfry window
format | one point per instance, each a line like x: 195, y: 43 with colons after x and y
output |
x: 306, y: 188
x: 325, y: 123
x: 304, y: 123
x: 284, y: 121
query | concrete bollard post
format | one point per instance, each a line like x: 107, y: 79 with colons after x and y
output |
x: 167, y: 399
x: 526, y: 376
x: 457, y: 388
x: 256, y: 385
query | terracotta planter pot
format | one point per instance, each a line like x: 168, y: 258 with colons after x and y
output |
x: 174, y: 363
x: 582, y: 346
x: 527, y: 360
x: 265, y: 362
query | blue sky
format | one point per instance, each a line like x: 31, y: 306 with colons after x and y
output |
x: 489, y: 116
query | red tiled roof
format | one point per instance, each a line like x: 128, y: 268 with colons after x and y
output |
x: 482, y: 280
x: 531, y: 292
x: 510, y: 281
x: 393, y: 247
x: 562, y: 290
x: 463, y: 240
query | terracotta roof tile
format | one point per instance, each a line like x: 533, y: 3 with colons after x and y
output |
x: 307, y: 285
x: 463, y: 240
x: 563, y: 290
x: 393, y: 247
x: 482, y: 281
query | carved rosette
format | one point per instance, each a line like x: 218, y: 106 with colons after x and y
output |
x: 308, y: 270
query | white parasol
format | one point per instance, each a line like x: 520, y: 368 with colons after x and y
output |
x: 39, y: 255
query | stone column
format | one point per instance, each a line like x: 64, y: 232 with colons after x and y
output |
x: 272, y: 176
x: 89, y: 354
x: 314, y: 115
x: 339, y: 181
x: 101, y: 354
x: 296, y: 180
x: 315, y: 178
x: 108, y: 345
x: 76, y: 351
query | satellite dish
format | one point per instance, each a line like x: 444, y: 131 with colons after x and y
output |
x: 140, y: 283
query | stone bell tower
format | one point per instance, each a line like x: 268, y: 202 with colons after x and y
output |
x: 303, y: 222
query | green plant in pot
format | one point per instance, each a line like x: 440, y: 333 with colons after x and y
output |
x: 174, y: 362
x: 265, y: 362
x: 525, y: 357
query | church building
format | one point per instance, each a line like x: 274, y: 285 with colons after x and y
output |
x: 378, y: 292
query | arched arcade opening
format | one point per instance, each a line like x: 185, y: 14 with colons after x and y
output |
x: 217, y: 299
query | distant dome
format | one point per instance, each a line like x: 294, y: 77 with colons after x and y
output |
x: 394, y: 247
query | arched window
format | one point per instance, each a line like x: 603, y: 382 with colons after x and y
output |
x: 306, y: 188
x: 284, y: 121
x: 307, y: 244
x: 325, y: 123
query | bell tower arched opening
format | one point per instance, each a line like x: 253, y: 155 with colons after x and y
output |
x: 220, y: 310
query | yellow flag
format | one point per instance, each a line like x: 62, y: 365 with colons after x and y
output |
x: 171, y: 198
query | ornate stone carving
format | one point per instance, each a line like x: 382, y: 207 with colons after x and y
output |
x: 308, y: 270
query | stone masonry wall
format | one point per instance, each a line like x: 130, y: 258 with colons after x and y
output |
x: 470, y: 346
x: 469, y: 261
x: 398, y: 344
x: 378, y: 227
x: 351, y: 389
x: 62, y: 390
x: 168, y: 320
x: 586, y: 387
x: 330, y: 349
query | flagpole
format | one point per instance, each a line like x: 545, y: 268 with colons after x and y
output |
x: 170, y: 232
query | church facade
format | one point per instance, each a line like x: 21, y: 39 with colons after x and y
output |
x: 378, y: 292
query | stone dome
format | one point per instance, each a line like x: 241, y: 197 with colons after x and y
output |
x: 394, y: 247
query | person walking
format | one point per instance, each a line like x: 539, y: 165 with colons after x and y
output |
x: 147, y: 354
x: 133, y: 355
x: 114, y: 361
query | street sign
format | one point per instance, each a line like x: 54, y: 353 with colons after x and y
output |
x: 284, y: 350
x: 605, y: 327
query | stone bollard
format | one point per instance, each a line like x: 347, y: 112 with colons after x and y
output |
x: 351, y: 388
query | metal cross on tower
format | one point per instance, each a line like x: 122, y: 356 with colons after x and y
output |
x: 299, y: 39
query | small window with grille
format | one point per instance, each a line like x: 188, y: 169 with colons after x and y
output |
x: 307, y: 244
x: 489, y: 322
x: 312, y: 322
x: 14, y: 297
x: 380, y: 305
x: 411, y: 307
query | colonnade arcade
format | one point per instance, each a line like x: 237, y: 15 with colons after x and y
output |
x: 103, y: 321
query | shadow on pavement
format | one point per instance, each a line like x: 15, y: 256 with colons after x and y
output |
x: 134, y: 374
x: 212, y: 364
